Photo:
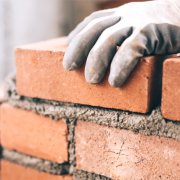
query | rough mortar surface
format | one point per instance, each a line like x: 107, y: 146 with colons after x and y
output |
x: 48, y: 166
x: 147, y: 124
x: 12, y: 171
x: 35, y: 163
x: 71, y: 139
x: 84, y: 175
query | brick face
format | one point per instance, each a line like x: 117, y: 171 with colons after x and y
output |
x: 122, y: 154
x: 40, y: 74
x: 170, y: 105
x: 32, y: 134
x: 11, y: 171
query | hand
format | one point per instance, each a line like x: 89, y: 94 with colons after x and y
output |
x: 140, y: 29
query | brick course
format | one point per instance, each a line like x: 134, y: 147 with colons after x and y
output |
x: 122, y: 154
x: 32, y: 134
x: 40, y: 74
x: 170, y: 106
x: 11, y: 171
x: 151, y: 124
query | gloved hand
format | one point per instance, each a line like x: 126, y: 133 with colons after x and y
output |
x: 139, y: 28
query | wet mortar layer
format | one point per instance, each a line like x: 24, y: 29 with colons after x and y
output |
x: 147, y: 124
x: 35, y: 163
x: 48, y: 166
x: 71, y: 148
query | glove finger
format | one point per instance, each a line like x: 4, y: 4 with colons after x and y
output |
x: 80, y: 46
x: 87, y: 20
x: 127, y: 57
x: 104, y: 50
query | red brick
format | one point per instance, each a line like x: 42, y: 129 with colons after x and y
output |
x: 11, y: 171
x: 32, y: 134
x: 170, y: 105
x: 122, y: 154
x: 40, y: 74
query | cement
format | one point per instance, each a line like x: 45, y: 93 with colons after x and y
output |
x: 71, y: 139
x: 78, y: 174
x: 83, y: 175
x: 48, y: 166
x: 147, y: 124
x: 0, y: 151
x: 35, y: 163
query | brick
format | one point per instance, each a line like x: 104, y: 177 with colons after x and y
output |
x: 40, y: 74
x: 170, y: 105
x: 11, y: 171
x: 33, y: 134
x: 123, y: 154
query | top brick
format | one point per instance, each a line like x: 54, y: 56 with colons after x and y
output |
x: 40, y: 74
x: 170, y: 104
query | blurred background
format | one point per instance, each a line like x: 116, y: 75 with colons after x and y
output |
x: 27, y: 21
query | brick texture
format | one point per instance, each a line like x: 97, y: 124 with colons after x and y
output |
x: 122, y: 154
x: 170, y: 105
x: 40, y: 74
x: 11, y: 171
x: 34, y: 135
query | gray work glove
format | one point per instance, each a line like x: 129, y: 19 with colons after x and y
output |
x: 139, y: 28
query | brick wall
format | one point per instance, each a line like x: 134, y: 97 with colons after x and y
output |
x: 52, y: 128
x: 49, y: 132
